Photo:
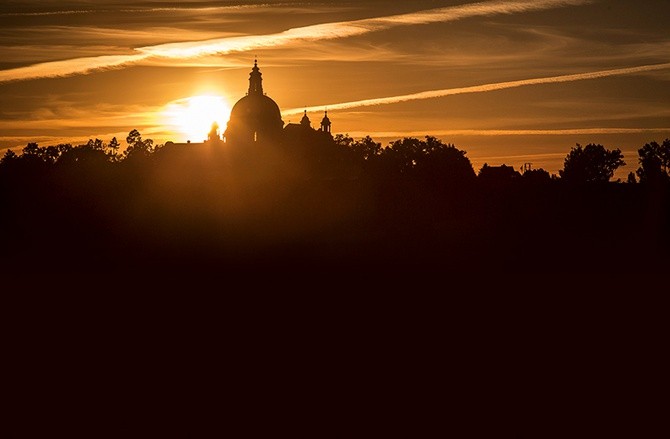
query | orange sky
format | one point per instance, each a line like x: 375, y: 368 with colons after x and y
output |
x: 508, y: 81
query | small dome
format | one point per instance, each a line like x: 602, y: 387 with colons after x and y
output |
x: 305, y: 120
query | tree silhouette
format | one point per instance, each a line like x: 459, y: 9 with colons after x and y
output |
x: 591, y: 164
x: 343, y: 140
x: 113, y: 149
x: 31, y: 148
x: 364, y: 152
x: 92, y: 151
x: 654, y: 162
x: 10, y: 162
x: 366, y: 148
x: 500, y: 173
x: 137, y: 146
x: 536, y: 176
x: 38, y: 158
x: 444, y: 163
x: 430, y: 158
x: 317, y: 199
x: 8, y: 157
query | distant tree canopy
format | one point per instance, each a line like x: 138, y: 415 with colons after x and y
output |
x: 430, y: 158
x: 328, y: 157
x: 347, y: 198
x: 591, y: 164
x: 654, y: 162
x: 138, y: 147
x: 500, y: 173
x: 34, y: 157
x: 411, y: 157
x: 536, y: 176
x: 365, y: 148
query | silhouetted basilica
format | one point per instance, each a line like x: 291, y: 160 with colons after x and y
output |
x: 256, y: 118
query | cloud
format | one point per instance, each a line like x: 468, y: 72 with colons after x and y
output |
x: 548, y: 132
x: 350, y: 28
x: 481, y: 88
x: 137, y: 10
x: 316, y: 32
x: 62, y: 114
x: 69, y: 67
x: 65, y: 42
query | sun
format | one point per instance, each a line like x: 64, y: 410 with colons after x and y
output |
x: 193, y: 117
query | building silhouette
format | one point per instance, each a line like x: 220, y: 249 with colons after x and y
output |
x: 256, y: 117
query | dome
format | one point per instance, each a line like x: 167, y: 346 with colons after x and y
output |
x: 256, y: 111
x: 255, y: 116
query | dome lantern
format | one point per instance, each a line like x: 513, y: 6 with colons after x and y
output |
x: 255, y: 80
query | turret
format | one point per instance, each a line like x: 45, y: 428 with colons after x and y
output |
x: 305, y: 121
x: 325, y: 123
x: 214, y: 135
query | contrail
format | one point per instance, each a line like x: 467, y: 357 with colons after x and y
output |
x: 480, y: 88
x: 327, y: 31
x: 496, y: 133
x: 316, y: 32
x: 45, y: 13
x: 138, y: 10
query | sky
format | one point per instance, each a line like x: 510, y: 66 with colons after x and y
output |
x: 508, y: 81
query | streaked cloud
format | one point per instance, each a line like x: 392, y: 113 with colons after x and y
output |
x: 481, y: 88
x: 71, y: 116
x: 350, y: 28
x: 136, y: 10
x: 547, y: 132
x: 69, y: 67
x: 302, y: 34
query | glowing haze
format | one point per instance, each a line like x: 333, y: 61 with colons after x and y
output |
x: 194, y: 116
x: 509, y: 81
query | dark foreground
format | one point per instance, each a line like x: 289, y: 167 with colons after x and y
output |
x: 188, y: 302
x: 211, y: 222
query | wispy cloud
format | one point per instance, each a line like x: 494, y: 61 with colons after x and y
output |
x: 138, y: 10
x: 316, y: 32
x: 69, y: 67
x: 351, y: 28
x: 548, y: 132
x: 481, y: 88
x: 70, y: 116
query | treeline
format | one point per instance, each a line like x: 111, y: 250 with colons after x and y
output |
x: 321, y: 202
x: 409, y: 156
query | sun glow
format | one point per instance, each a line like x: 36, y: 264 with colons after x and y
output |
x: 193, y: 117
